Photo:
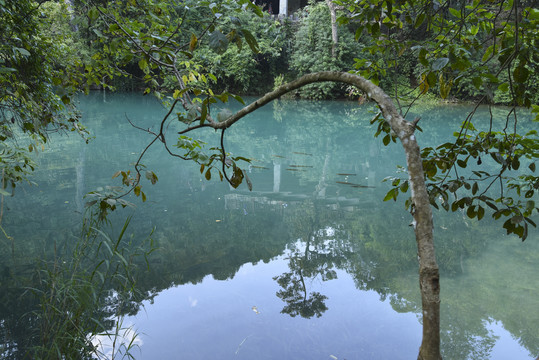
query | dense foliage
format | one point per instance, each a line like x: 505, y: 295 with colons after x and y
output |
x: 390, y: 51
x: 312, y: 51
x: 195, y: 54
x: 491, y: 44
x: 237, y: 68
x: 38, y: 77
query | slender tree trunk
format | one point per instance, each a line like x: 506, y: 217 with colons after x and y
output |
x: 334, y: 34
x: 421, y: 210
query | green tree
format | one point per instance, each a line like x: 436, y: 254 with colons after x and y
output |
x: 237, y: 68
x: 38, y: 78
x: 315, y: 49
x: 442, y: 37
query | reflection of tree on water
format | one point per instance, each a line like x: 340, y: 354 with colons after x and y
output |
x: 295, y: 293
x: 329, y: 239
x: 313, y: 256
x: 340, y: 228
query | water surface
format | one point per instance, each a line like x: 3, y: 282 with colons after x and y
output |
x: 311, y: 264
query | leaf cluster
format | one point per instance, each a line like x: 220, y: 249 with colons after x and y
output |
x: 38, y: 79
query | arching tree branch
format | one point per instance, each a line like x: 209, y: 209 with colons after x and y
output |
x: 422, y: 212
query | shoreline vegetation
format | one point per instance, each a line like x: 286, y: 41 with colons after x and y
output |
x: 416, y: 53
x: 287, y: 49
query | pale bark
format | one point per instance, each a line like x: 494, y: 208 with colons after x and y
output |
x: 421, y: 209
x: 334, y: 34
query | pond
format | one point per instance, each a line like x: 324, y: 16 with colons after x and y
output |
x: 310, y: 264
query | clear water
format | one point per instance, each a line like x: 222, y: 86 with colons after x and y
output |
x: 302, y: 267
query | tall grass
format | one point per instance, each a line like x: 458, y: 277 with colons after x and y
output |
x: 84, y: 296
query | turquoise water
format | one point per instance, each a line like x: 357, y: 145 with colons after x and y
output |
x: 304, y: 266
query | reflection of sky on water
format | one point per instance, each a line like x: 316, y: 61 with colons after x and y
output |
x: 304, y: 192
x: 506, y: 346
x: 116, y: 343
x: 215, y: 319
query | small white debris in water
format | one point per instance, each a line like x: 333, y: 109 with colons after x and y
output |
x: 333, y: 357
x: 255, y: 310
x: 217, y: 220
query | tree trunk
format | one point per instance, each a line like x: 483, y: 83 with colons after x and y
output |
x: 334, y: 34
x: 423, y: 225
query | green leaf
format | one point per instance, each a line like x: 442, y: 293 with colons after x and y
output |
x: 480, y: 212
x: 509, y: 226
x: 193, y: 42
x: 431, y: 79
x: 439, y: 63
x: 521, y: 73
x: 503, y: 87
x: 150, y: 175
x: 392, y: 194
x: 248, y: 181
x: 404, y: 186
x: 98, y: 33
x: 419, y: 20
x: 471, y: 212
x: 445, y: 87
x: 455, y: 12
x: 203, y: 113
x: 251, y: 41
x: 143, y: 65
x: 515, y: 163
x: 218, y: 42
x: 487, y: 53
x: 177, y: 93
x: 7, y: 70
x: 93, y: 14
x: 422, y: 57
x: 22, y: 51
x: 237, y: 178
